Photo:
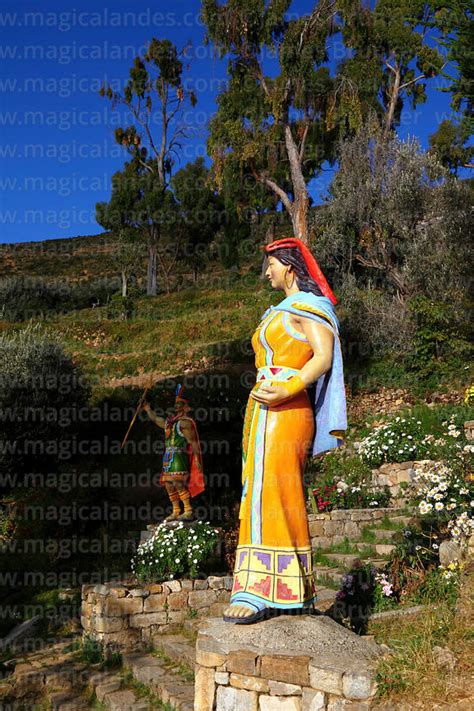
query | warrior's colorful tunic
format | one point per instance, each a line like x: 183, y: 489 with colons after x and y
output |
x: 179, y: 462
x: 176, y: 457
x: 273, y: 560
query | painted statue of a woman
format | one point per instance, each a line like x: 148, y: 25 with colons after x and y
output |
x: 296, y: 345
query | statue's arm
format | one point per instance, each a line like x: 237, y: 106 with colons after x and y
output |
x: 321, y: 340
x: 160, y: 421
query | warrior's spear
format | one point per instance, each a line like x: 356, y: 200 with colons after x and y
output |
x: 139, y: 407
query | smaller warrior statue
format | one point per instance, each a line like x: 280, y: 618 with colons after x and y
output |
x: 182, y: 473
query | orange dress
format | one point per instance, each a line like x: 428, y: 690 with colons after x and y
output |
x: 273, y: 565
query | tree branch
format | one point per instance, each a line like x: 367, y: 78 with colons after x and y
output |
x: 270, y: 183
x: 303, y: 141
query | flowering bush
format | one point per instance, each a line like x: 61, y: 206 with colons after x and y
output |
x: 384, y: 597
x: 439, y: 585
x: 341, y: 495
x: 452, y: 571
x: 363, y: 590
x: 407, y: 438
x: 174, y: 552
x: 357, y: 587
x: 396, y: 441
x: 442, y: 492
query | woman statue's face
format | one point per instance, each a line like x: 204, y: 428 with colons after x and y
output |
x: 276, y: 273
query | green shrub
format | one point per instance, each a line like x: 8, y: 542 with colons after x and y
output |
x: 345, y: 496
x: 41, y: 391
x: 397, y: 441
x: 438, y: 336
x: 23, y: 298
x: 439, y: 585
x: 120, y: 307
x: 178, y: 552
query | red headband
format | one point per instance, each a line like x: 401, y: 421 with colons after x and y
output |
x: 311, y: 263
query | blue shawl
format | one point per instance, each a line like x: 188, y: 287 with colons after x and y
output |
x: 330, y: 395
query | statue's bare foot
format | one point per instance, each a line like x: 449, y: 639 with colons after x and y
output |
x: 238, y: 611
x: 243, y: 615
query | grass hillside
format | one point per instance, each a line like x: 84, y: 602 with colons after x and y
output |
x: 196, y: 327
x: 167, y: 334
x: 73, y: 259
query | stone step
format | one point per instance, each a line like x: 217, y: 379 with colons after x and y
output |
x: 110, y: 691
x: 384, y: 548
x: 177, y: 647
x: 324, y: 594
x: 63, y: 701
x: 376, y: 562
x: 124, y: 700
x: 344, y: 560
x: 145, y: 536
x: 328, y: 573
x: 384, y: 534
x: 363, y: 546
x: 162, y: 679
x: 401, y: 519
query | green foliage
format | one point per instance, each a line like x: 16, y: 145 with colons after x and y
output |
x: 437, y: 335
x: 343, y: 482
x: 41, y: 389
x: 178, y: 552
x: 201, y: 211
x: 23, y: 298
x: 439, y: 585
x: 400, y: 440
x: 448, y: 142
x: 91, y: 651
x: 337, y: 464
x: 344, y: 496
x: 120, y: 307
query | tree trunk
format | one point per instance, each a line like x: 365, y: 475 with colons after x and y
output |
x: 124, y: 283
x: 299, y: 211
x: 299, y: 217
x: 269, y: 237
x: 393, y: 100
x: 151, y: 270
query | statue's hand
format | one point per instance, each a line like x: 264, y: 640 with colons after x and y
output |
x: 146, y: 406
x: 270, y: 394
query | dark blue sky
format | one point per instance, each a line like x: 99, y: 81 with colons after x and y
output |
x: 57, y: 146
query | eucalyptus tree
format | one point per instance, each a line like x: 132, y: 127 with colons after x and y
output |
x: 154, y: 95
x: 283, y: 127
x: 272, y: 127
x: 454, y: 21
x: 117, y: 216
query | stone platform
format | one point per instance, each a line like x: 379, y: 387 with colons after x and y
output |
x: 127, y: 615
x: 290, y: 663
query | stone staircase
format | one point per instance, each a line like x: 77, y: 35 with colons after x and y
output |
x: 372, y: 545
x: 165, y: 675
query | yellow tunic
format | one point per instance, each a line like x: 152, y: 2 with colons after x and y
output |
x: 273, y: 562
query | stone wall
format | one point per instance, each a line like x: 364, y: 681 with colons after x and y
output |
x: 324, y: 666
x: 125, y: 615
x: 396, y: 474
x: 332, y: 528
x: 393, y: 474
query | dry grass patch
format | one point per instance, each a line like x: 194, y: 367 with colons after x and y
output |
x: 414, y: 673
